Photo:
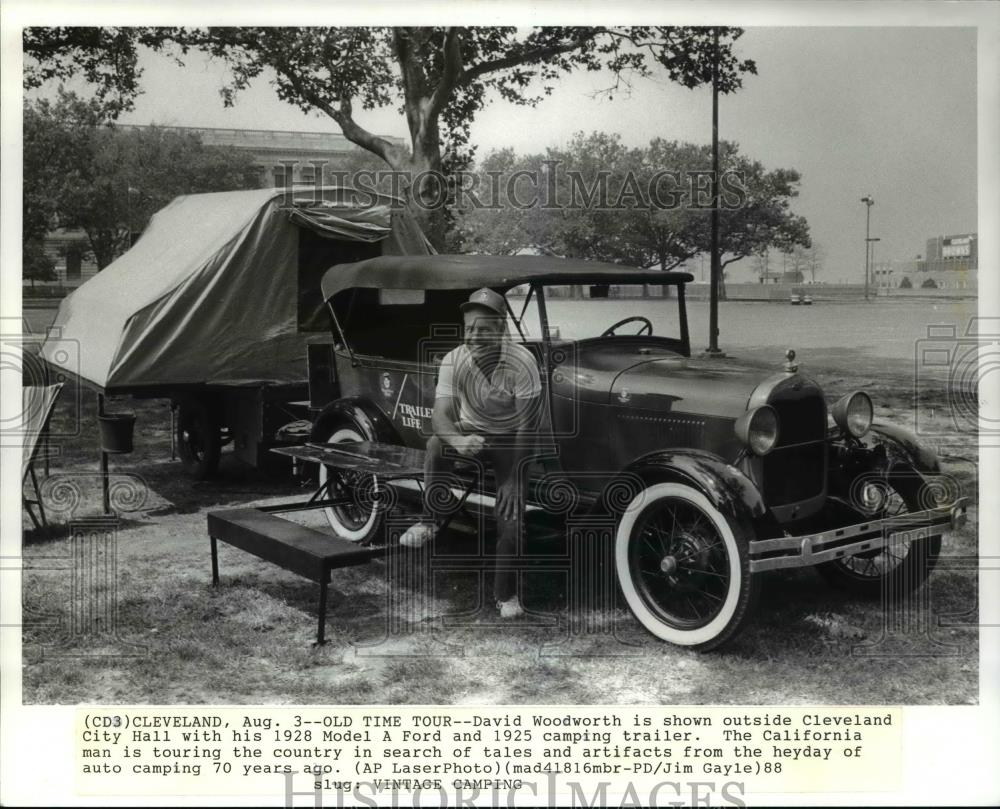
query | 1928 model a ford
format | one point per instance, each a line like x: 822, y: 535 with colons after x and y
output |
x: 712, y: 473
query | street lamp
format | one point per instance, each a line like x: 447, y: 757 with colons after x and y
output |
x: 871, y: 243
x: 715, y: 268
x: 869, y: 201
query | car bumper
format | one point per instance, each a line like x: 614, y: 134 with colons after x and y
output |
x: 825, y: 546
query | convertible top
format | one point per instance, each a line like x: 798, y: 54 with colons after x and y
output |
x: 474, y: 271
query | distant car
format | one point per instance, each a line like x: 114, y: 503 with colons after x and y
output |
x: 795, y: 300
x: 807, y: 300
x: 708, y: 473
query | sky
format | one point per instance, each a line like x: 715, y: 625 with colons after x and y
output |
x: 885, y: 111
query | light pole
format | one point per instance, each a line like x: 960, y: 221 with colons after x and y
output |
x: 869, y: 201
x: 715, y: 270
x: 871, y: 243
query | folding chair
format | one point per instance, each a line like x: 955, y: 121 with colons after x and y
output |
x: 37, y: 406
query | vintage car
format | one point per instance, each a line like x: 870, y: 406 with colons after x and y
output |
x: 709, y: 472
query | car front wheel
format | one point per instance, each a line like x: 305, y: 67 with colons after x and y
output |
x: 683, y: 567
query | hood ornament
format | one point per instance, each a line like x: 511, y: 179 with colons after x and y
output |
x: 790, y: 364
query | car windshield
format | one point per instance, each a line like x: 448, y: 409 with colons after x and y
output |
x: 583, y: 311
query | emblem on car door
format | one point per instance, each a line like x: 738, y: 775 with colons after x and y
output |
x: 624, y: 396
x: 387, y: 388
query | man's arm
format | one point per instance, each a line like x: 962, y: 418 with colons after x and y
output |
x: 444, y: 420
x: 527, y: 413
x: 444, y: 416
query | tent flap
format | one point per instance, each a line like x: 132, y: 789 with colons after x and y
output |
x: 334, y: 221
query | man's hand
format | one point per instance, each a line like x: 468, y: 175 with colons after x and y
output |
x: 468, y: 445
x: 508, y: 501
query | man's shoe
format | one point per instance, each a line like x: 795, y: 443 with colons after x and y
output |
x: 511, y: 608
x: 418, y: 535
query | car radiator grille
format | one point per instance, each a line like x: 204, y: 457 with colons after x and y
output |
x: 795, y: 469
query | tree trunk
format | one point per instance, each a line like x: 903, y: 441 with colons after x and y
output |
x: 426, y: 196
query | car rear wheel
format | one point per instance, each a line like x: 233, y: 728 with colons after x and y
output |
x: 359, y: 520
x: 683, y: 567
x: 896, y: 570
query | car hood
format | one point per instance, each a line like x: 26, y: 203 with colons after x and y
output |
x: 709, y: 387
x: 652, y: 378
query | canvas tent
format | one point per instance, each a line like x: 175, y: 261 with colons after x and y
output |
x: 217, y: 288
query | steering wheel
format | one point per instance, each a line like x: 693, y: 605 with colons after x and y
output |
x: 647, y: 326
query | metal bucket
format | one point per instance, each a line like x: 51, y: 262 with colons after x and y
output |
x: 116, y: 432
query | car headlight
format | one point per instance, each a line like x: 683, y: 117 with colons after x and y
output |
x: 758, y: 429
x: 853, y: 413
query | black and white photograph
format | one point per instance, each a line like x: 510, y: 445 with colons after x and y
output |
x: 511, y: 363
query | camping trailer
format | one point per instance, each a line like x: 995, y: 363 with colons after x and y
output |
x: 215, y: 306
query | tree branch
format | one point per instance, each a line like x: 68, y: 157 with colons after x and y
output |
x: 408, y: 70
x: 452, y: 69
x: 523, y: 58
x: 353, y: 131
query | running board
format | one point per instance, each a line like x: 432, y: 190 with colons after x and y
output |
x: 475, y: 498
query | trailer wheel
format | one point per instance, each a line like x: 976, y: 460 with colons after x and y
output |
x: 357, y: 521
x: 199, y: 438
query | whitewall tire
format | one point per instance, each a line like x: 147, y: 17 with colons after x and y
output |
x: 683, y: 567
x: 357, y: 522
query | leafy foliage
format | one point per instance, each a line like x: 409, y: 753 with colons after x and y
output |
x: 82, y: 172
x: 599, y: 199
x: 440, y: 77
x: 36, y: 264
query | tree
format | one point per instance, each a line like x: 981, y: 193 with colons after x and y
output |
x: 36, y: 264
x: 606, y: 210
x: 601, y: 200
x: 814, y: 260
x: 440, y: 77
x: 906, y: 283
x: 495, y: 223
x: 764, y: 218
x: 82, y: 172
x: 761, y: 264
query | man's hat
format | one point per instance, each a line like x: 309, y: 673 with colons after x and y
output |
x: 486, y: 298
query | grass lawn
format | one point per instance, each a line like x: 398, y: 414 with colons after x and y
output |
x: 179, y: 640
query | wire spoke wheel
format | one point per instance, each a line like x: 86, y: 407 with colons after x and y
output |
x: 355, y: 520
x: 683, y: 567
x: 882, y: 561
x: 896, y: 569
x: 679, y: 563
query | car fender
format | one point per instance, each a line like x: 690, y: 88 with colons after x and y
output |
x: 903, y: 448
x: 911, y: 467
x: 371, y: 420
x: 728, y: 489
